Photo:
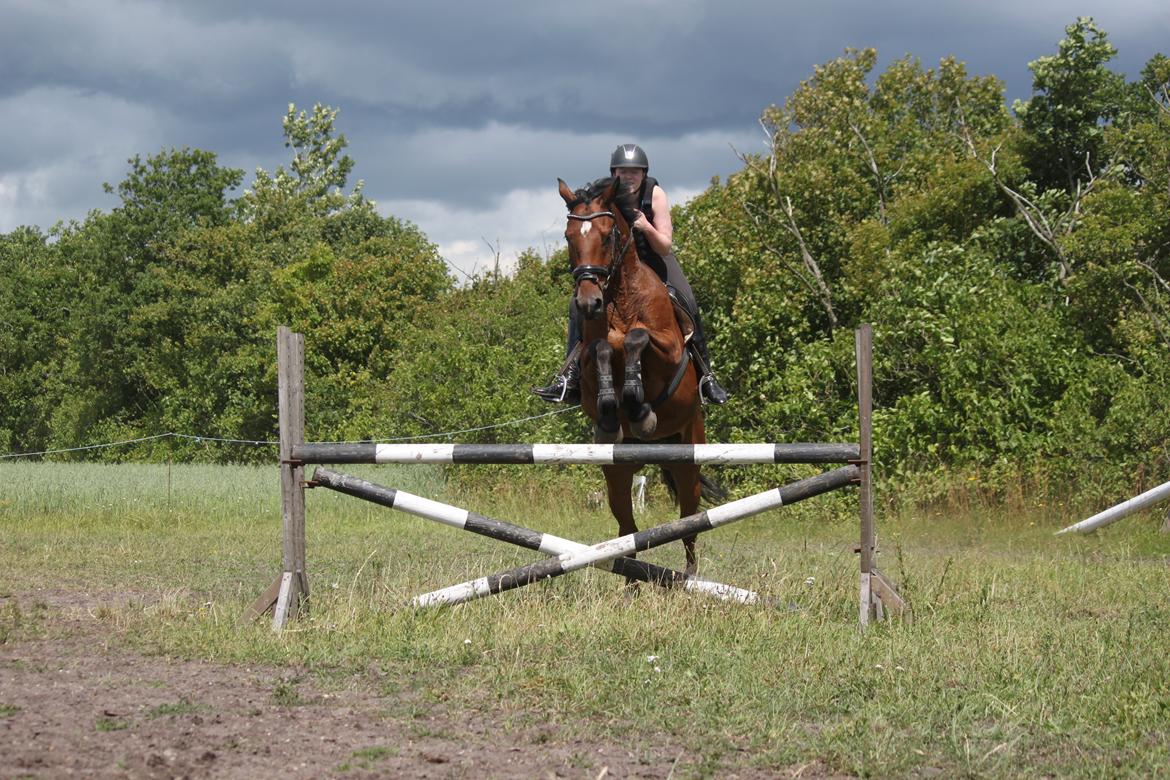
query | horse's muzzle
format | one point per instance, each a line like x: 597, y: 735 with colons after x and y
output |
x: 592, y: 306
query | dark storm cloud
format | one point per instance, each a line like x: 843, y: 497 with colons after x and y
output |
x: 454, y: 105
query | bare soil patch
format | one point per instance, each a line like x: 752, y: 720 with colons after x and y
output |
x: 75, y: 700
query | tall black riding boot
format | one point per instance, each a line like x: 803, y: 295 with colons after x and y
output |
x: 709, y: 386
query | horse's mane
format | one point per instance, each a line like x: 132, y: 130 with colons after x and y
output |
x: 625, y: 200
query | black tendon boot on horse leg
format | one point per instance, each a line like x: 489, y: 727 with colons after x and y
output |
x: 608, y: 428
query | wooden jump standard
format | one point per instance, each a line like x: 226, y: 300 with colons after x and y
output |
x: 290, y: 589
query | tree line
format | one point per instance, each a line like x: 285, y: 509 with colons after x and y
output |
x: 1014, y: 263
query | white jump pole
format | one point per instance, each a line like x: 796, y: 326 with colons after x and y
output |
x: 1122, y: 510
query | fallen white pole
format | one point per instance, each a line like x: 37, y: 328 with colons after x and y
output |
x: 1124, y: 509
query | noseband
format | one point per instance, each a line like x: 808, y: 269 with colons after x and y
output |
x: 599, y: 274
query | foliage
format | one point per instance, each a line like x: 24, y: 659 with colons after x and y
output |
x: 471, y: 357
x: 912, y: 201
x: 1016, y: 270
x: 1075, y: 95
x: 38, y: 291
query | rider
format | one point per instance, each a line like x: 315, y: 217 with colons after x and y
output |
x: 652, y: 224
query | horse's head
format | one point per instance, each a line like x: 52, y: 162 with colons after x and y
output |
x: 596, y: 245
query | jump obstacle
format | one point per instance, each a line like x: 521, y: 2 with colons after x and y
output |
x: 290, y: 591
x: 1122, y: 510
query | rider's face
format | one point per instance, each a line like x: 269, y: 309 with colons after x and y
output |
x: 631, y: 177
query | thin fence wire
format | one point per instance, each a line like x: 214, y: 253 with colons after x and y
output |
x: 268, y: 443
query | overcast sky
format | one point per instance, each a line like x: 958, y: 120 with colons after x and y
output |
x: 461, y: 115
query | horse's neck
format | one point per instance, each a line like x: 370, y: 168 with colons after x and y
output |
x: 639, y: 288
x: 635, y: 285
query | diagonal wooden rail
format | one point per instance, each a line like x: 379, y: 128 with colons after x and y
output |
x: 642, y: 540
x: 548, y: 544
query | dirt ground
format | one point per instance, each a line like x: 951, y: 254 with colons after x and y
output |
x: 80, y: 703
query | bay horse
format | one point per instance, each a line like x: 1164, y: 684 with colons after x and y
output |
x: 631, y: 338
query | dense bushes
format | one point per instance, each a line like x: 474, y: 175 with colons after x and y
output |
x: 1020, y: 303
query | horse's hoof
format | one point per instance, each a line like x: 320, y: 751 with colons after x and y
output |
x: 602, y: 436
x: 645, y: 428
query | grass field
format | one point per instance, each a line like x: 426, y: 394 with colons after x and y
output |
x: 1030, y: 655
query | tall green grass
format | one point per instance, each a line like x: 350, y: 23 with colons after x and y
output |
x: 1029, y: 655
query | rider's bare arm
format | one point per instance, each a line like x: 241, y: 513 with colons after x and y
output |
x: 660, y: 232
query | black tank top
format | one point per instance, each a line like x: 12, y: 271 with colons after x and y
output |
x: 646, y: 206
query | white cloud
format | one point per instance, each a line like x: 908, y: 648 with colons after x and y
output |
x: 521, y: 219
x: 461, y: 124
x: 69, y: 142
x: 479, y: 165
x: 469, y: 238
x: 494, y: 189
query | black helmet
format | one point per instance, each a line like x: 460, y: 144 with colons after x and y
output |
x: 629, y: 156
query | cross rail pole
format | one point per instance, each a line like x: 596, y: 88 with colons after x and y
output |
x: 500, y: 530
x: 598, y: 454
x: 642, y: 540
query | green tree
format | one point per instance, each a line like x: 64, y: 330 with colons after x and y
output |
x: 1074, y: 97
x: 120, y: 258
x: 39, y: 293
x: 315, y: 182
x: 170, y: 191
x: 471, y: 356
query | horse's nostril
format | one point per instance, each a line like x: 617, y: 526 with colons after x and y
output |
x: 591, y: 308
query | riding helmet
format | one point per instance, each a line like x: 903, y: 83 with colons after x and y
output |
x: 629, y: 156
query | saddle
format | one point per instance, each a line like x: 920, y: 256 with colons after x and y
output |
x: 686, y: 323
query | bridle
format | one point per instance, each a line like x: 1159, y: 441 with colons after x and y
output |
x: 599, y: 274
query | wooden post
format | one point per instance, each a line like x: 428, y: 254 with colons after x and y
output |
x: 286, y: 595
x: 863, y: 348
x: 878, y: 596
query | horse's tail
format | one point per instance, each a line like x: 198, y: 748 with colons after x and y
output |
x: 709, y: 490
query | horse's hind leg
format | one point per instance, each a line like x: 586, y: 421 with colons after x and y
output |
x: 643, y: 421
x: 689, y: 488
x: 618, y: 481
x: 608, y: 426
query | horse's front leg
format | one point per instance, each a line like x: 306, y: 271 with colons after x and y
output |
x: 608, y: 427
x: 643, y: 420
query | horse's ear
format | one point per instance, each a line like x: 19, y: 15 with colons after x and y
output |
x: 611, y: 190
x: 566, y: 193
